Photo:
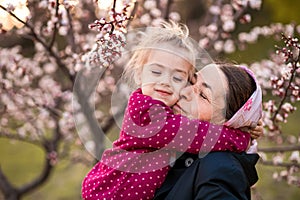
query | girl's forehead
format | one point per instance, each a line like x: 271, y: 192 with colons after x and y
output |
x: 168, y: 57
x: 176, y: 50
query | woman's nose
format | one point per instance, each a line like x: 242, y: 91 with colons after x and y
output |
x: 186, y: 93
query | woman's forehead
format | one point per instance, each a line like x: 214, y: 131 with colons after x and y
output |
x: 213, y: 78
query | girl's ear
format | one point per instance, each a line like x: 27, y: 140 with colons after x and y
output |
x: 137, y: 77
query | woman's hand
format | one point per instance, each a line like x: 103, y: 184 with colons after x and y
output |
x: 257, y: 131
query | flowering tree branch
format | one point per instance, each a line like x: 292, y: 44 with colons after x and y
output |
x: 71, y: 33
x: 291, y: 58
x: 48, y: 48
x: 51, y: 43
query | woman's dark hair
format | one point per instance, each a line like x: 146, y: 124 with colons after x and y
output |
x: 240, y: 87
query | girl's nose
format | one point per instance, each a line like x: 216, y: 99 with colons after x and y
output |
x: 165, y: 80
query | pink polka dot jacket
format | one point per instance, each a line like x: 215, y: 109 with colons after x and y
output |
x: 150, y: 135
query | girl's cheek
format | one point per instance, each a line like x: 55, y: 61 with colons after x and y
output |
x: 181, y: 87
x: 177, y: 90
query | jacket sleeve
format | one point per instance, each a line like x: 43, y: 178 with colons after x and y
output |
x: 221, y: 176
x: 218, y: 175
x: 150, y: 123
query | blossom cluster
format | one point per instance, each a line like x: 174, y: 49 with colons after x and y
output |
x: 286, y: 86
x: 110, y: 39
x: 225, y: 14
x: 29, y: 95
x: 153, y: 15
x: 107, y: 49
x: 116, y: 20
x: 288, y: 174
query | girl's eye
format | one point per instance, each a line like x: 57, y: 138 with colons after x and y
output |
x: 155, y: 72
x: 178, y: 79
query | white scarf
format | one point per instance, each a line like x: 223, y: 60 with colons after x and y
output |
x: 250, y: 113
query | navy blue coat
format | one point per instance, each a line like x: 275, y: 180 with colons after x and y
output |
x: 218, y: 175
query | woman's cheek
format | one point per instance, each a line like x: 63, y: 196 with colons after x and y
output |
x: 197, y: 112
x: 205, y: 112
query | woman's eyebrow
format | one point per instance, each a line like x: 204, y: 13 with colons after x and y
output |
x: 206, y: 86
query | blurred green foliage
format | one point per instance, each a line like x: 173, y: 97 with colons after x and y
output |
x: 286, y: 11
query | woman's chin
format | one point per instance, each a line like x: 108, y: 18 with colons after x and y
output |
x: 176, y: 112
x: 176, y: 109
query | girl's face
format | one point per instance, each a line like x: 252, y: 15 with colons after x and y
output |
x: 163, y: 76
x: 205, y: 100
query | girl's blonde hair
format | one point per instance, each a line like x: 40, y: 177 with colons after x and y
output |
x: 171, y: 37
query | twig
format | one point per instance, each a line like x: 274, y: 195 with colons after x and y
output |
x: 9, y: 191
x: 4, y: 134
x: 285, y: 95
x: 135, y: 6
x: 55, y: 25
x: 294, y: 65
x: 288, y: 165
x: 49, y: 146
x: 240, y: 13
x: 71, y: 33
x: 168, y: 8
x: 279, y: 149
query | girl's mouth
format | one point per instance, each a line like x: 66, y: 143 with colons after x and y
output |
x: 163, y: 92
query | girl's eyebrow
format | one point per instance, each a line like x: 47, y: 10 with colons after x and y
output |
x: 181, y: 71
x: 162, y: 66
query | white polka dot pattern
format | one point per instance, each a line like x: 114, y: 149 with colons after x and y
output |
x: 135, y: 167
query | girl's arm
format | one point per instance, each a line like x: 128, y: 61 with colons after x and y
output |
x: 149, y: 123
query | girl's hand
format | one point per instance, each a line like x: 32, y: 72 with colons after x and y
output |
x: 257, y: 131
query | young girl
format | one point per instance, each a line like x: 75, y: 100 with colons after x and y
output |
x: 140, y: 159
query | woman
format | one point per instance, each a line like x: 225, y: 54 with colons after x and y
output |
x: 222, y: 93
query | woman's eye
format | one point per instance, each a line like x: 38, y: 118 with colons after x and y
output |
x: 155, y: 72
x: 203, y: 96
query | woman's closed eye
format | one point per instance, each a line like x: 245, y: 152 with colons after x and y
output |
x: 202, y: 95
x: 156, y: 72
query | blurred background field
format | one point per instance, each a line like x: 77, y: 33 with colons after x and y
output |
x: 20, y: 161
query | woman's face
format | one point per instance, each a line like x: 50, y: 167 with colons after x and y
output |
x: 205, y: 100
